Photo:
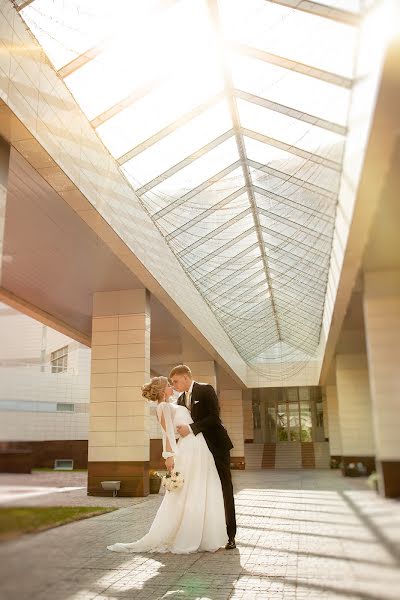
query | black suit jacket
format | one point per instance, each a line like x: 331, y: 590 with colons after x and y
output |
x: 205, y: 415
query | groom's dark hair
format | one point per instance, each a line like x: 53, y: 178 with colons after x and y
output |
x: 180, y: 370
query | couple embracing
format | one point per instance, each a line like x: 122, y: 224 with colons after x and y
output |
x: 200, y: 515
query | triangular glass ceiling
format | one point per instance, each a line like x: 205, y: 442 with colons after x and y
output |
x: 228, y: 118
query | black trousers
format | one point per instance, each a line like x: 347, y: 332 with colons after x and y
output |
x: 223, y: 464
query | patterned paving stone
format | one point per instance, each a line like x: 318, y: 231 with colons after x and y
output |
x: 301, y: 536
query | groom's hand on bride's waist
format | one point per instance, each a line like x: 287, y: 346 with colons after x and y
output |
x: 183, y: 430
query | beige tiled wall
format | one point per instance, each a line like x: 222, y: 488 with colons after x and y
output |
x: 382, y: 324
x: 335, y: 441
x: 204, y: 371
x: 119, y: 415
x: 4, y: 165
x: 354, y: 405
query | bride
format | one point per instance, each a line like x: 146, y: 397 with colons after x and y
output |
x: 191, y: 518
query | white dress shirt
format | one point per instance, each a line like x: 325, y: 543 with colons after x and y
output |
x: 188, y: 399
x: 188, y: 396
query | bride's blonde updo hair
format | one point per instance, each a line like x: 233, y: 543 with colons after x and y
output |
x: 155, y: 388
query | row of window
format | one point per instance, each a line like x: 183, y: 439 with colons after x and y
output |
x: 59, y: 360
x: 36, y: 406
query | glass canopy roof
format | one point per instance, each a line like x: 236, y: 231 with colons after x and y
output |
x: 228, y: 119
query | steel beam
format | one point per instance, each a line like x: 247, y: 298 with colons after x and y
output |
x: 222, y: 248
x: 214, y: 14
x: 293, y: 65
x: 206, y: 213
x: 230, y: 261
x: 292, y: 112
x: 198, y: 110
x: 292, y: 179
x: 195, y: 191
x: 308, y: 210
x: 285, y: 221
x: 185, y: 162
x: 291, y: 149
x: 289, y: 240
x: 321, y: 10
x: 215, y: 232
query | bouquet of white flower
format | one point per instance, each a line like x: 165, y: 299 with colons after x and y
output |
x: 172, y: 481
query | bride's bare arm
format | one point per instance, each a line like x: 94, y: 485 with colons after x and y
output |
x: 169, y: 443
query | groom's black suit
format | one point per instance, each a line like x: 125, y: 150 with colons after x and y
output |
x: 205, y: 415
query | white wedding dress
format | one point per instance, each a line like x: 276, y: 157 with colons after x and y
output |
x: 192, y: 518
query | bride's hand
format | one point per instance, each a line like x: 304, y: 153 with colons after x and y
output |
x: 169, y: 463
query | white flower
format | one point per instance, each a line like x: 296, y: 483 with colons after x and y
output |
x: 173, y: 481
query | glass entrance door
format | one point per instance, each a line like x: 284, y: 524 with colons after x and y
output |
x: 288, y: 422
x: 287, y: 414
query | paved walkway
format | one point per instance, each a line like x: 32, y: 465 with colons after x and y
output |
x: 302, y: 535
x: 53, y: 488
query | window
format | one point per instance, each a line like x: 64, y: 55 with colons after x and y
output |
x: 59, y: 360
x: 63, y: 464
x: 65, y: 407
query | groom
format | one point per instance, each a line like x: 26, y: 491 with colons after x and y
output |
x: 202, y: 401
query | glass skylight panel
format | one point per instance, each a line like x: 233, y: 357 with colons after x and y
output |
x: 87, y: 82
x: 165, y: 104
x: 302, y: 215
x: 212, y: 268
x: 207, y: 220
x: 194, y: 205
x: 198, y: 171
x: 304, y: 196
x: 213, y: 194
x: 156, y: 69
x: 296, y: 281
x: 207, y: 260
x: 131, y: 62
x: 179, y: 145
x: 306, y: 94
x: 296, y: 233
x: 216, y: 241
x: 354, y: 6
x: 302, y: 168
x: 290, y: 130
x: 292, y: 34
x: 227, y: 279
x: 66, y: 29
x: 214, y: 220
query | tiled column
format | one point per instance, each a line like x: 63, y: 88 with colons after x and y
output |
x: 4, y: 167
x: 230, y: 396
x: 204, y: 371
x: 382, y: 325
x: 335, y: 441
x: 354, y: 409
x: 248, y: 432
x: 231, y: 403
x: 199, y: 361
x: 119, y: 415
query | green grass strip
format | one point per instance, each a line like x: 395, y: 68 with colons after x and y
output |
x: 18, y: 521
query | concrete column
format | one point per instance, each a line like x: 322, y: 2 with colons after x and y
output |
x: 4, y: 168
x: 382, y: 326
x: 119, y: 416
x: 335, y: 441
x: 354, y: 409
